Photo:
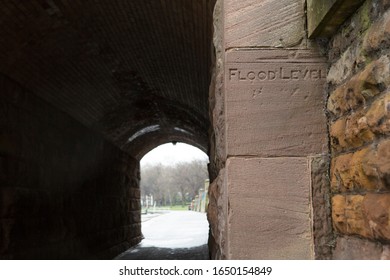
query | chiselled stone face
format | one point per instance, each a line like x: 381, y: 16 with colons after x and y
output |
x: 269, y: 216
x: 274, y: 102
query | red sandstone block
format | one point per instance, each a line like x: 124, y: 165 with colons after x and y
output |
x: 378, y: 34
x: 366, y: 169
x: 269, y: 23
x: 274, y: 103
x: 347, y: 215
x: 269, y: 208
x: 362, y: 126
x: 364, y: 215
x: 377, y: 216
x: 360, y: 88
x: 354, y: 248
x: 338, y: 213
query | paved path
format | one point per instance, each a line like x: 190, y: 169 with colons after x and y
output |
x: 180, y: 235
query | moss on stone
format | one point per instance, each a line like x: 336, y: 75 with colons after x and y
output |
x: 364, y: 15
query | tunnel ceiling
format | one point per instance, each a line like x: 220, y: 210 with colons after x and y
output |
x: 136, y: 71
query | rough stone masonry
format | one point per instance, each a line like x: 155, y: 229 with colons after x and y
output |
x: 359, y: 126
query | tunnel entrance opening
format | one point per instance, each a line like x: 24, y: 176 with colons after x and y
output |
x: 174, y: 186
x: 86, y: 91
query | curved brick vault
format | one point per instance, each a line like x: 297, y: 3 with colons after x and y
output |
x: 86, y: 89
x: 115, y: 66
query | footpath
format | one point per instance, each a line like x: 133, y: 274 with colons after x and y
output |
x: 176, y: 235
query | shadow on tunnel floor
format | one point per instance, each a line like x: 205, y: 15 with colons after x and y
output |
x: 157, y: 253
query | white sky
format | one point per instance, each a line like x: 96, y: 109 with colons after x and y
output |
x: 169, y: 154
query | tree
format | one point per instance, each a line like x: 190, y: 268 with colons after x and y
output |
x: 189, y: 178
x: 173, y: 184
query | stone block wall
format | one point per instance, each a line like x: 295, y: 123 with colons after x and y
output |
x: 269, y: 149
x: 359, y: 127
x: 65, y: 192
x: 217, y: 210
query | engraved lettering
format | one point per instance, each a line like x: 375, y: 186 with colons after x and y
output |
x: 241, y: 78
x: 295, y: 74
x: 251, y: 75
x: 314, y: 74
x: 306, y: 76
x: 262, y: 75
x: 282, y: 73
x: 257, y: 92
x: 322, y: 76
x: 271, y: 75
x: 232, y: 73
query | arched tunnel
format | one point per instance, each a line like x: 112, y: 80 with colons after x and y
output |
x: 86, y: 89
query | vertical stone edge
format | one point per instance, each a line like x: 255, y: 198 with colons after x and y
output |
x: 216, y: 213
x: 323, y: 238
x: 217, y: 217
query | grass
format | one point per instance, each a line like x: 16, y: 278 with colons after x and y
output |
x: 179, y: 208
x: 172, y: 208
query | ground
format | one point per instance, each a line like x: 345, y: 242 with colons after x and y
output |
x: 176, y: 235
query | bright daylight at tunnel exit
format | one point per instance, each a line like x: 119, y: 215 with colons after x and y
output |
x: 174, y: 201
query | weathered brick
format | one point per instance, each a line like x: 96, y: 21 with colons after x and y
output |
x: 350, y: 34
x: 337, y: 134
x: 376, y: 165
x: 378, y: 115
x: 361, y: 127
x: 349, y: 132
x: 5, y: 236
x: 347, y: 173
x: 355, y: 248
x: 366, y: 169
x: 338, y: 213
x: 343, y: 68
x: 62, y: 185
x: 347, y: 215
x: 355, y: 217
x: 360, y: 88
x: 378, y: 35
x: 133, y: 192
x: 364, y: 215
x: 376, y: 211
x: 134, y: 204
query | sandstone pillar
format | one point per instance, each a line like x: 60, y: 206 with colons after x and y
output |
x: 272, y: 102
